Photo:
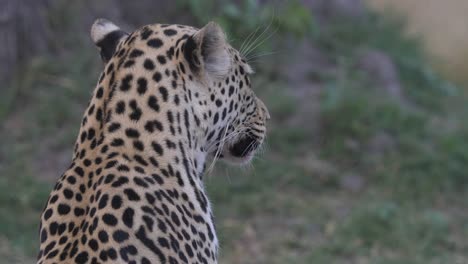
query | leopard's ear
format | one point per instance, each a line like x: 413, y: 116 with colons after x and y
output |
x: 206, y: 51
x: 106, y: 35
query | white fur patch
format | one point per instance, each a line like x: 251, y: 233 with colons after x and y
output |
x: 100, y: 28
x: 249, y: 69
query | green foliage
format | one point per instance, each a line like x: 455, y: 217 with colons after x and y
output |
x: 295, y: 19
x: 353, y: 111
x: 7, y: 100
x: 420, y: 160
x: 250, y: 19
x: 426, y: 161
x: 378, y: 231
x: 373, y: 32
x: 51, y: 96
x: 21, y: 201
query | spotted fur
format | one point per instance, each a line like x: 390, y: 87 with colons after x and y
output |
x: 170, y: 99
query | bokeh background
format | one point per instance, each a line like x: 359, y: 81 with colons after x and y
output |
x: 367, y: 155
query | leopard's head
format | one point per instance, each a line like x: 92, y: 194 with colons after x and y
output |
x: 230, y: 120
x: 236, y: 118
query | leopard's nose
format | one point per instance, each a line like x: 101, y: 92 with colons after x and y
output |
x: 264, y: 109
x: 267, y: 114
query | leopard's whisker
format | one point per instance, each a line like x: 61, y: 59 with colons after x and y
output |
x: 249, y: 38
x: 261, y: 42
x: 220, y: 147
x: 246, y: 50
x: 253, y: 43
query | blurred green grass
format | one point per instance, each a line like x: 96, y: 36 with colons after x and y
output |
x: 290, y: 205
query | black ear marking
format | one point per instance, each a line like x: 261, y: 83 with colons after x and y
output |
x: 106, y: 36
x: 109, y: 44
x: 190, y: 54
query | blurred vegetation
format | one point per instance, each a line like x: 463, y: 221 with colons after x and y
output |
x: 293, y: 18
x: 372, y: 179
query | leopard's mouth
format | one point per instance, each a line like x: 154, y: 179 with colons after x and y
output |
x: 244, y: 147
x: 238, y: 151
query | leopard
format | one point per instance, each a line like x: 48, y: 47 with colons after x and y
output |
x: 171, y: 100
